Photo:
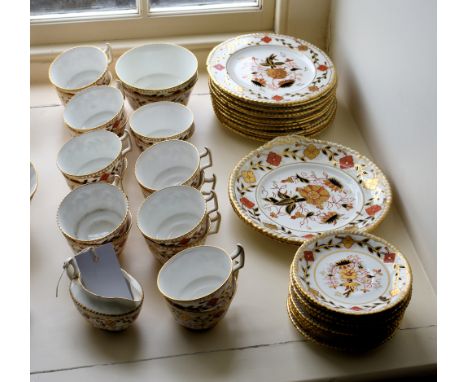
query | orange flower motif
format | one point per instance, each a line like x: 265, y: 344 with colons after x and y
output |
x: 273, y: 158
x: 302, y: 47
x: 277, y: 98
x: 322, y: 68
x: 314, y: 194
x: 333, y: 183
x: 330, y: 218
x: 297, y: 215
x: 249, y: 176
x: 266, y: 39
x: 372, y: 210
x: 246, y: 202
x: 313, y: 88
x: 311, y: 151
x: 346, y: 162
x: 309, y: 255
x: 348, y: 242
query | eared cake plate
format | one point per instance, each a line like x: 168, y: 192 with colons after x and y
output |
x: 352, y: 273
x: 293, y: 188
x: 271, y: 69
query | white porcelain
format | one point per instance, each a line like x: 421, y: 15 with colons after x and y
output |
x: 79, y: 67
x: 92, y: 212
x: 93, y: 107
x: 171, y: 212
x: 161, y: 120
x: 156, y: 66
x: 197, y: 272
x: 32, y: 180
x: 91, y: 152
x: 170, y: 163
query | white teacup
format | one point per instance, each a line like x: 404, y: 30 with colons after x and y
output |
x: 171, y: 163
x: 92, y: 157
x: 95, y: 214
x: 159, y: 121
x: 97, y: 107
x: 78, y: 68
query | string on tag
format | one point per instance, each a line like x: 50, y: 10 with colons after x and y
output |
x: 58, y: 282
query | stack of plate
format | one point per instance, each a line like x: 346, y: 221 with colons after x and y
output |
x: 265, y: 85
x: 348, y: 290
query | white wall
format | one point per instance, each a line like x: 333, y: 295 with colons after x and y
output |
x: 385, y: 53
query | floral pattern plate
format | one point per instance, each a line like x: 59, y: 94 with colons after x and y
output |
x: 293, y: 188
x: 271, y: 69
x: 352, y: 273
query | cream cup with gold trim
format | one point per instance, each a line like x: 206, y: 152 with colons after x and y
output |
x: 199, y: 284
x: 157, y: 72
x: 95, y: 214
x: 94, y: 156
x: 160, y: 121
x: 95, y: 108
x: 172, y: 163
x: 176, y: 218
x: 79, y: 68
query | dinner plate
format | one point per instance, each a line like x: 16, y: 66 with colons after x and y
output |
x: 352, y: 273
x: 268, y: 68
x: 293, y: 188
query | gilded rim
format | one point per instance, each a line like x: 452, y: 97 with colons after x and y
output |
x: 402, y: 296
x: 90, y: 242
x: 170, y: 89
x: 261, y: 102
x: 294, y: 139
x: 201, y: 298
x: 73, y: 90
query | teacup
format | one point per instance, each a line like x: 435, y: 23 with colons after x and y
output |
x: 97, y: 107
x: 92, y: 157
x: 199, y: 284
x: 94, y: 214
x: 79, y: 68
x: 32, y: 180
x: 159, y: 121
x: 176, y: 218
x: 172, y: 163
x: 105, y: 313
x: 157, y: 72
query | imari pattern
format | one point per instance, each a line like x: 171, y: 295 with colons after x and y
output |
x: 284, y: 69
x: 352, y: 273
x: 293, y: 188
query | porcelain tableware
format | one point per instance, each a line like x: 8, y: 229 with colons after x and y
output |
x: 172, y: 163
x: 94, y: 156
x: 107, y: 313
x: 159, y: 121
x: 293, y: 188
x: 79, y: 68
x: 156, y: 72
x: 197, y: 281
x: 97, y: 107
x: 95, y: 214
x: 175, y: 218
x: 32, y: 180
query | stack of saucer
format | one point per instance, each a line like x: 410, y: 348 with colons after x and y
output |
x: 348, y: 290
x: 265, y: 85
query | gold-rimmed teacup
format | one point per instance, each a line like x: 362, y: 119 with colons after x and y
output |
x: 160, y: 121
x: 175, y: 218
x: 172, y: 163
x: 95, y: 214
x: 199, y: 283
x: 157, y: 72
x: 93, y: 157
x: 78, y: 68
x: 96, y: 108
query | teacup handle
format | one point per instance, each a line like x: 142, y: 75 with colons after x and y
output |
x: 210, y: 160
x: 118, y: 178
x: 124, y: 136
x: 119, y: 85
x: 108, y: 53
x: 72, y: 272
x: 211, y: 180
x: 216, y: 218
x: 238, y: 257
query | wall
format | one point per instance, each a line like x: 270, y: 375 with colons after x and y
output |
x: 385, y: 53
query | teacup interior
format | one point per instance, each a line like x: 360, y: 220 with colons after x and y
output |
x: 161, y: 119
x: 194, y: 273
x: 108, y: 305
x: 171, y: 212
x: 89, y: 152
x: 92, y: 211
x: 165, y: 164
x: 156, y: 66
x: 93, y: 107
x: 78, y: 67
